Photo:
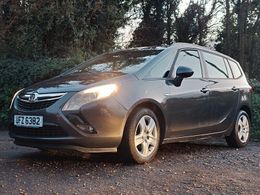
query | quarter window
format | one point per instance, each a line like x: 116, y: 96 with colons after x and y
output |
x: 228, y: 69
x: 191, y: 59
x: 235, y: 69
x: 215, y: 65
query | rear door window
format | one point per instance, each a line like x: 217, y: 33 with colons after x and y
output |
x: 215, y: 65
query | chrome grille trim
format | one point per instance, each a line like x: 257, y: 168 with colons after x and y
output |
x: 41, y: 97
x: 31, y: 101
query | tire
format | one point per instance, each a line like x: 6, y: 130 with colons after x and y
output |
x: 239, y: 137
x: 141, y: 137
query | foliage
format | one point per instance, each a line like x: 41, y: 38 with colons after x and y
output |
x: 256, y: 107
x: 240, y: 35
x: 16, y: 74
x: 33, y: 28
x: 40, y: 38
x: 151, y: 29
x: 193, y: 25
x: 162, y: 22
x: 256, y: 114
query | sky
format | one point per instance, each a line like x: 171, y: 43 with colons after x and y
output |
x: 125, y: 33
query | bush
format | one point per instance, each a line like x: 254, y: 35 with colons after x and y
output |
x: 256, y: 115
x: 30, y: 29
x: 16, y: 74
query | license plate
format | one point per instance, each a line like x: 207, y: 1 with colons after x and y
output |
x: 28, y: 121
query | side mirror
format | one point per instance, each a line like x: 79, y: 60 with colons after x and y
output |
x: 184, y: 72
x: 181, y: 73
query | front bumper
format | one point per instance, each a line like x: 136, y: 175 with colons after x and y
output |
x: 107, y: 117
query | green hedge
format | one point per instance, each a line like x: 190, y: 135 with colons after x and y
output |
x: 256, y: 114
x: 16, y: 74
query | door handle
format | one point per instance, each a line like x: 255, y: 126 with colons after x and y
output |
x: 234, y: 88
x: 204, y: 90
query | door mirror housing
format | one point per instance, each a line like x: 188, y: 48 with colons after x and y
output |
x: 184, y: 72
x: 181, y: 73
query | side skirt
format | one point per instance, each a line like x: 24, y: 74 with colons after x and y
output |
x: 196, y: 137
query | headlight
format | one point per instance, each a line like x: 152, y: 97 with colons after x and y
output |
x: 14, y: 98
x: 89, y: 95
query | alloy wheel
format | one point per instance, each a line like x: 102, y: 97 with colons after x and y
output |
x: 243, y: 128
x: 146, y: 136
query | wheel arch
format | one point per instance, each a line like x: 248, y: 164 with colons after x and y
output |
x: 247, y: 109
x: 156, y: 108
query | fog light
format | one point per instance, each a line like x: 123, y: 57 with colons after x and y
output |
x: 86, y: 128
x: 81, y: 124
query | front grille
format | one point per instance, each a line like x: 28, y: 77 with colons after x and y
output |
x: 43, y: 132
x: 34, y: 105
x: 35, y: 101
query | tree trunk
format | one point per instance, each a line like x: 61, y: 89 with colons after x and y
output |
x: 228, y: 28
x: 242, y: 21
x: 169, y: 22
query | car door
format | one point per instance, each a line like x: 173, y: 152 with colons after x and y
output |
x: 223, y: 92
x: 187, y: 105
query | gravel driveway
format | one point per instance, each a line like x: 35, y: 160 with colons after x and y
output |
x: 183, y: 168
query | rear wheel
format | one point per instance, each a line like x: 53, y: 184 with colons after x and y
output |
x: 141, y: 137
x: 240, y: 134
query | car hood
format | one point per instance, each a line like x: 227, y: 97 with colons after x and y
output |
x: 72, y: 82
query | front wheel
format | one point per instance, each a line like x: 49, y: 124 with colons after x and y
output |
x: 240, y: 134
x: 141, y: 137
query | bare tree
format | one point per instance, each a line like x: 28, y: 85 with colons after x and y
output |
x: 193, y: 25
x: 227, y: 44
x: 171, y: 7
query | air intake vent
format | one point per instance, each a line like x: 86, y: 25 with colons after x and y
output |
x: 44, y: 132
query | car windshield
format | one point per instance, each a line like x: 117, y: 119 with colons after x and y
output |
x: 127, y: 61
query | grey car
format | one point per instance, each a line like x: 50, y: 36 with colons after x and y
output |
x: 133, y: 100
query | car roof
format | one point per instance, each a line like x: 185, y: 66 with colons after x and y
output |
x: 177, y: 46
x: 180, y: 45
x: 142, y: 48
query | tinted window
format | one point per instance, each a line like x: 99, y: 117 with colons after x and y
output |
x: 162, y: 67
x: 215, y: 66
x: 235, y: 69
x: 189, y: 59
x: 230, y: 75
x: 123, y: 61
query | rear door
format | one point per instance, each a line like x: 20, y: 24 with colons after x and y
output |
x: 223, y: 93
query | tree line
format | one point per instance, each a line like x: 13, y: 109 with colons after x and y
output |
x: 63, y: 28
x: 238, y: 33
x: 33, y: 28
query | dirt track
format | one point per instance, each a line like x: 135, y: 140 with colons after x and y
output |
x: 201, y: 168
